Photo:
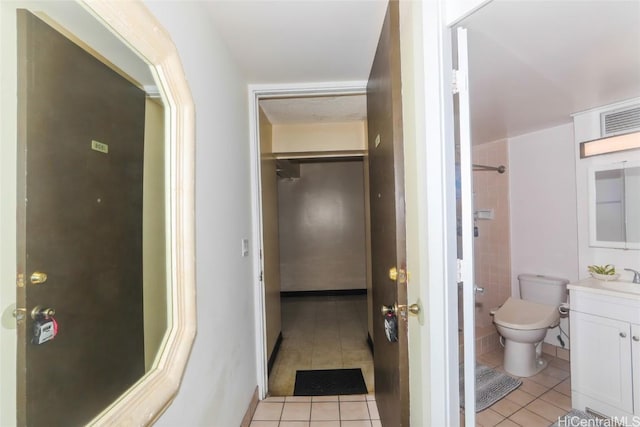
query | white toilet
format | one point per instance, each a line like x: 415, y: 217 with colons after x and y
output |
x: 523, y: 323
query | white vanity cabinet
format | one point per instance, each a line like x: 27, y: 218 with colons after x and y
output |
x: 605, y: 349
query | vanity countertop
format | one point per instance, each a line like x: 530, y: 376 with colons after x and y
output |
x: 615, y: 288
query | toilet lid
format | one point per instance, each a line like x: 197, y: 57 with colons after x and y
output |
x: 520, y: 314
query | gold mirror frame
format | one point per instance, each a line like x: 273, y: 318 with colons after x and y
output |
x: 145, y: 401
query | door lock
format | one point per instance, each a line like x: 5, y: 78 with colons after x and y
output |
x: 45, y: 327
x: 413, y: 309
x: 38, y: 278
x: 399, y: 275
x: 403, y: 310
x: 39, y: 313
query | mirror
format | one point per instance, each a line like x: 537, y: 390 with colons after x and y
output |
x: 129, y: 24
x: 614, y: 205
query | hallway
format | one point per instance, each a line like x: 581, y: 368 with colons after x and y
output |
x: 321, y: 332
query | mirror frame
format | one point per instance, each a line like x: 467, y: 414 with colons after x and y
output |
x: 147, y: 399
x: 593, y: 242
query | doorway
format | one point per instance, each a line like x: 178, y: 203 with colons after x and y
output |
x: 315, y: 237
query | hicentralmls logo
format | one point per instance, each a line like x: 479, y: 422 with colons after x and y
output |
x: 577, y: 421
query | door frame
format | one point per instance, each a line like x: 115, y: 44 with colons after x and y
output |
x: 256, y: 93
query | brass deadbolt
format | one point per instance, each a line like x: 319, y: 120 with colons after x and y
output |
x: 396, y: 274
x: 38, y: 278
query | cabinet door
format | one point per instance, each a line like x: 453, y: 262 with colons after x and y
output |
x: 601, y: 359
x: 635, y: 357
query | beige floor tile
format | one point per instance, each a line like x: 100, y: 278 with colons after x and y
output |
x: 325, y: 411
x: 524, y: 417
x: 296, y: 411
x: 264, y: 423
x: 353, y: 397
x: 267, y: 411
x: 558, y: 399
x: 272, y: 399
x: 491, y: 359
x: 373, y: 410
x: 546, y: 380
x: 546, y: 410
x: 532, y: 387
x: 355, y: 358
x: 520, y: 397
x: 358, y: 423
x: 325, y: 398
x: 294, y: 424
x: 556, y: 372
x: 354, y: 411
x: 298, y: 399
x: 564, y: 387
x: 376, y: 423
x: 488, y: 418
x: 325, y: 424
x: 505, y: 407
x: 507, y: 423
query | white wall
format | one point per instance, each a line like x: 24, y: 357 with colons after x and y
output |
x: 221, y: 374
x: 319, y: 137
x: 544, y: 225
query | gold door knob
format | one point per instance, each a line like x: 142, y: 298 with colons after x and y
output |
x: 413, y: 309
x: 42, y: 313
x: 38, y: 278
x: 393, y: 273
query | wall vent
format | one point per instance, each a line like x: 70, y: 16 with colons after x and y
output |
x: 621, y: 121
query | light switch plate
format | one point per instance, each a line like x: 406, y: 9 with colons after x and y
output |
x: 245, y: 247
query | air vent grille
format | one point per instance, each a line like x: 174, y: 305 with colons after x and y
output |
x: 620, y: 121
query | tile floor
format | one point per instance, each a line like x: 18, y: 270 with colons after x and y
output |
x: 321, y: 333
x: 539, y: 401
x: 317, y: 411
x: 330, y: 332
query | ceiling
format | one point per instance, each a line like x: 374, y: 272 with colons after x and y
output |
x: 293, y: 41
x: 317, y: 109
x: 532, y: 63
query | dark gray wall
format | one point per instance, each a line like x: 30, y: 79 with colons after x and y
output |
x: 322, y: 227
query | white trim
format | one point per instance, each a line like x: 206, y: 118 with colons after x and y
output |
x: 257, y: 92
x: 468, y: 280
x: 442, y: 293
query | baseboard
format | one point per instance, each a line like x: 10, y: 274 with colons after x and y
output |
x: 248, y: 416
x: 324, y: 293
x: 274, y: 353
x: 370, y: 343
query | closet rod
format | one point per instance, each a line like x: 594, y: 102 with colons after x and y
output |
x: 499, y: 169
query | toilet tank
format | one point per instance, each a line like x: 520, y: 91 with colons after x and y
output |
x: 543, y: 289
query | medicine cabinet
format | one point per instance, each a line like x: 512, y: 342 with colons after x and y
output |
x: 614, y: 205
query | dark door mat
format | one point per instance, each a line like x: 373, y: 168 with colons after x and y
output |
x: 329, y: 382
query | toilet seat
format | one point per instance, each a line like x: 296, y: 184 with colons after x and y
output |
x: 526, y: 315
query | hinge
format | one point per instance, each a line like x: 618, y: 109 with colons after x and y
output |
x: 458, y: 82
x: 459, y: 270
x: 261, y: 276
x: 454, y: 83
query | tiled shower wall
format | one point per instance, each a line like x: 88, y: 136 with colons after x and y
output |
x: 492, y: 248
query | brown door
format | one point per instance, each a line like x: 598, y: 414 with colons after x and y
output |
x: 80, y: 145
x: 388, y: 247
